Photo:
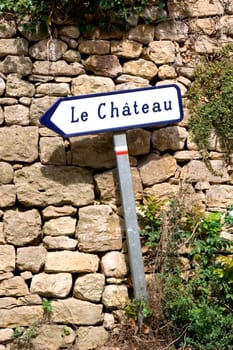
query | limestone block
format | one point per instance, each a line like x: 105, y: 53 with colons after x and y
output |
x: 85, y: 84
x: 2, y: 86
x: 59, y: 68
x: 155, y: 169
x: 204, y: 44
x: 6, y: 173
x: 63, y: 226
x: 91, y: 337
x: 7, y: 195
x: 92, y: 47
x: 203, y: 25
x: 7, y: 28
x: 16, y: 115
x: 140, y: 67
x: 39, y: 106
x: 183, y: 88
x: 30, y: 299
x: 18, y: 46
x: 16, y: 64
x: 114, y: 296
x: 72, y: 56
x: 71, y: 31
x: 19, y: 144
x: 55, y: 212
x: 143, y: 33
x: 126, y: 48
x: 7, y: 258
x: 127, y: 79
x: 58, y: 336
x: 22, y: 227
x: 195, y: 8
x: 67, y: 261
x: 167, y: 72
x: 183, y: 156
x: 218, y: 197
x: 60, y: 243
x: 22, y: 316
x: 2, y: 238
x: 160, y: 52
x: 226, y: 23
x: 172, y: 30
x: 196, y: 171
x: 44, y: 185
x: 1, y: 116
x: 52, y: 151
x: 8, y: 302
x: 53, y: 89
x: 114, y: 264
x: 48, y: 49
x: 6, y: 334
x: 89, y: 287
x: 94, y: 151
x: 105, y: 65
x: 99, y: 229
x: 170, y: 138
x: 30, y: 258
x: 8, y: 101
x: 108, y: 186
x: 77, y: 312
x: 14, y: 286
x: 52, y: 285
x: 17, y: 87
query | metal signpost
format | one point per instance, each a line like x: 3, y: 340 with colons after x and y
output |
x: 116, y: 111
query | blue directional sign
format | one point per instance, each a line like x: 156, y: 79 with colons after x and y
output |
x: 114, y: 111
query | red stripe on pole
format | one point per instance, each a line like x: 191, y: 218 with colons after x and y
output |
x: 121, y: 153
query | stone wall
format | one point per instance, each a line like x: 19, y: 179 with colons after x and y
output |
x: 61, y: 227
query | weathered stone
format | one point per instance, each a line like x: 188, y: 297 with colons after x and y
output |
x: 169, y: 138
x: 85, y: 84
x: 43, y: 185
x: 196, y: 171
x: 18, y: 46
x: 155, y: 169
x: 183, y: 156
x: 6, y: 173
x: 30, y: 258
x: 8, y: 101
x: 30, y: 299
x: 92, y: 47
x: 95, y: 151
x: 6, y: 335
x: 8, y: 302
x: 67, y: 261
x: 23, y: 316
x: 226, y: 24
x: 2, y: 86
x: 72, y: 43
x: 89, y: 287
x: 160, y: 52
x: 7, y: 196
x: 183, y: 88
x: 7, y: 258
x: 53, y: 89
x: 60, y: 243
x: 167, y: 72
x: 38, y: 33
x: 115, y: 297
x: 55, y: 212
x: 99, y: 229
x: 19, y: 144
x: 22, y: 227
x: 70, y: 31
x: 172, y: 30
x: 63, y: 226
x: 114, y: 264
x: 202, y: 185
x: 17, y: 115
x: 126, y: 48
x: 143, y: 33
x: 48, y: 49
x: 77, y: 312
x: 161, y: 191
x: 7, y: 29
x: 204, y: 44
x: 39, y: 106
x: 138, y: 141
x: 105, y: 65
x: 16, y: 64
x: 127, y: 79
x: 6, y: 275
x: 16, y: 87
x: 140, y: 67
x: 58, y: 68
x: 91, y: 337
x: 218, y: 197
x: 52, y: 285
x: 58, y: 335
x: 15, y: 286
x: 2, y: 238
x: 108, y: 186
x: 202, y: 25
x: 52, y: 151
x: 195, y: 8
x: 72, y: 56
x: 1, y: 116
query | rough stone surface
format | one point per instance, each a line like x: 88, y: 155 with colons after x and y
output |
x: 30, y: 258
x: 85, y: 84
x: 6, y: 173
x: 160, y: 52
x: 91, y: 337
x: 7, y: 258
x: 89, y: 287
x: 52, y: 285
x: 140, y: 67
x: 99, y: 229
x: 60, y: 243
x: 64, y: 226
x: 16, y: 115
x: 58, y: 337
x: 197, y: 171
x: 16, y: 64
x: 126, y: 48
x: 52, y: 151
x: 17, y: 87
x: 18, y: 46
x: 7, y: 195
x: 114, y: 264
x: 92, y: 47
x: 14, y: 286
x: 115, y: 296
x: 23, y: 316
x: 171, y: 138
x: 54, y: 212
x: 51, y: 50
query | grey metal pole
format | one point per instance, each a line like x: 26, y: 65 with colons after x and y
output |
x: 130, y: 216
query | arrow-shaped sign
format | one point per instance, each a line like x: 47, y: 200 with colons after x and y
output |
x: 114, y: 111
